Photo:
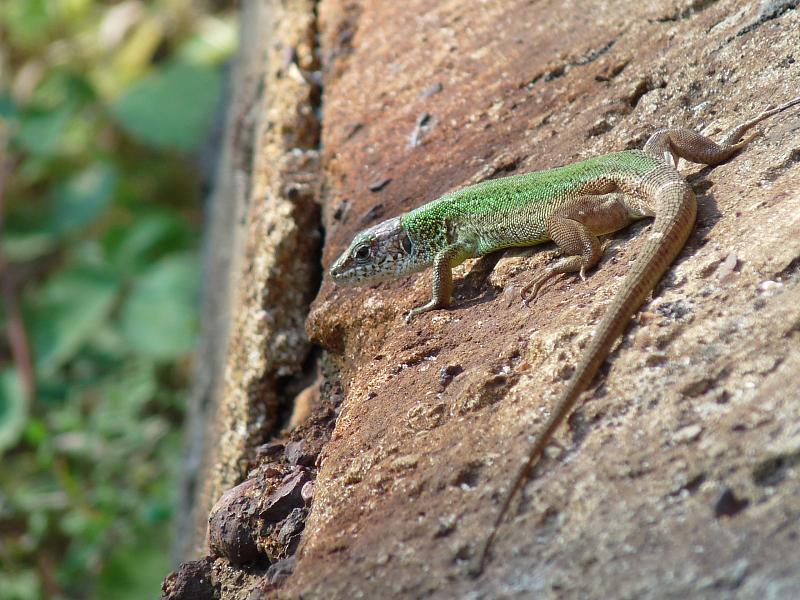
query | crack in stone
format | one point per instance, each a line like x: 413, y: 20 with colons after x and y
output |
x: 771, y: 9
x: 563, y: 69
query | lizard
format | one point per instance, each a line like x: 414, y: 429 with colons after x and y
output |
x: 570, y: 205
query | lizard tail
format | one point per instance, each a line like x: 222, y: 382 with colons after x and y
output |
x: 676, y: 209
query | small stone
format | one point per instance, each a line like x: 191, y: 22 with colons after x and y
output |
x: 269, y: 451
x: 230, y: 528
x: 404, y: 463
x: 769, y: 286
x: 273, y: 470
x: 737, y: 573
x: 289, y: 57
x: 674, y: 311
x: 687, y: 434
x: 192, y: 581
x: 510, y: 294
x: 422, y: 126
x: 280, y: 570
x: 771, y: 8
x: 307, y: 491
x: 696, y: 387
x: 727, y: 267
x: 297, y: 454
x: 286, y: 498
x: 656, y: 358
x: 292, y: 526
x: 353, y: 475
x: 447, y: 525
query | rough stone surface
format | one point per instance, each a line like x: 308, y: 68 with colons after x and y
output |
x: 679, y: 473
x: 192, y: 581
x: 222, y: 266
x: 297, y: 454
x: 280, y: 266
x: 698, y: 396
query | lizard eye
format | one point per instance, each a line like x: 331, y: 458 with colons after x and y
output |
x: 362, y: 253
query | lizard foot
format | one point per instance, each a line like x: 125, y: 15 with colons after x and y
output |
x: 531, y: 291
x: 432, y: 305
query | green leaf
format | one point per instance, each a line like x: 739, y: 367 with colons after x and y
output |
x: 27, y: 21
x: 63, y: 87
x: 136, y: 570
x: 159, y: 316
x: 71, y: 306
x: 77, y: 202
x: 21, y: 244
x: 125, y: 398
x: 81, y: 199
x: 172, y: 108
x: 8, y: 109
x: 212, y: 44
x: 134, y: 247
x: 13, y: 409
x: 40, y: 131
x: 20, y: 586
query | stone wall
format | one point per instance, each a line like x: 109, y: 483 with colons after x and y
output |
x: 678, y: 473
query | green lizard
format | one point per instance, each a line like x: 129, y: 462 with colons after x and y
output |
x: 570, y: 205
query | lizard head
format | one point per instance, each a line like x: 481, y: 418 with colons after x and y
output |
x: 381, y: 252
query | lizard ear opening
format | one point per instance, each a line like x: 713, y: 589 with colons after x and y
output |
x: 405, y: 243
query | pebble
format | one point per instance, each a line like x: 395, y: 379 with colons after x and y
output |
x: 687, y: 434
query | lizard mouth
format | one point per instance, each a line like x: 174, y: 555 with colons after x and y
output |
x: 346, y: 274
x: 339, y: 272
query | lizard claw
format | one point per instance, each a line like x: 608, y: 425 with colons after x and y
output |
x: 526, y: 297
x: 432, y: 305
x: 534, y: 287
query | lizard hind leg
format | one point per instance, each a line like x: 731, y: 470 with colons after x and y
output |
x: 574, y: 229
x: 670, y: 144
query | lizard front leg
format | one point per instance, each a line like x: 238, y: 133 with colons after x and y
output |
x: 574, y: 229
x: 442, y: 284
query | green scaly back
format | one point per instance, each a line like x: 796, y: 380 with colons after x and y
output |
x: 487, y: 215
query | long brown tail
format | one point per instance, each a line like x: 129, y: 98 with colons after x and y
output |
x: 675, y: 208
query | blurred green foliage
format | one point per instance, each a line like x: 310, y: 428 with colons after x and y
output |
x: 104, y: 107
